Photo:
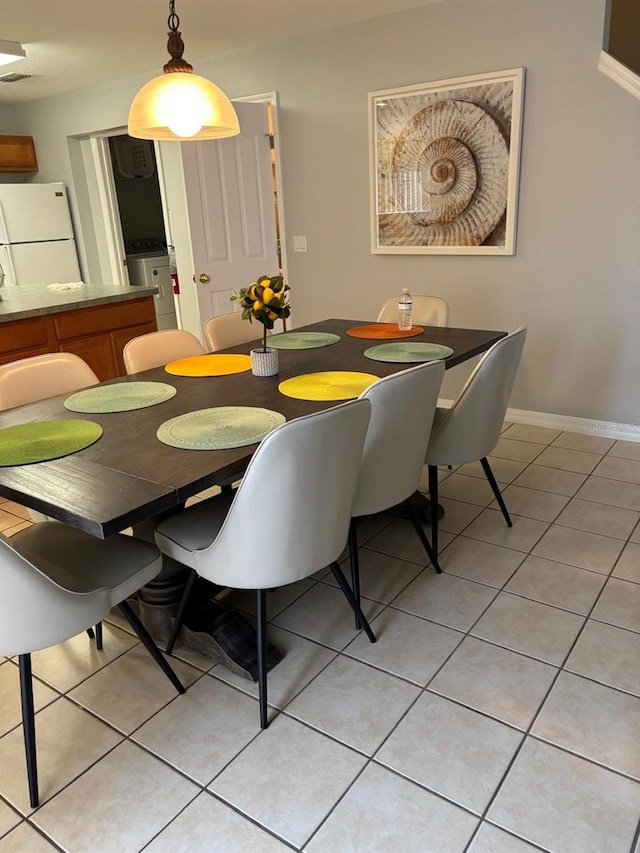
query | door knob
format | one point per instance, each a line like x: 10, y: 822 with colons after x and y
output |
x: 203, y: 278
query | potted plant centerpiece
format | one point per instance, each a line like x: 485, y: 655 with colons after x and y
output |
x: 266, y: 300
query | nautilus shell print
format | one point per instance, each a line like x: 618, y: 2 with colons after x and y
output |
x: 443, y: 167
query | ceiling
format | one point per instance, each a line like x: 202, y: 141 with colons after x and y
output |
x: 77, y: 43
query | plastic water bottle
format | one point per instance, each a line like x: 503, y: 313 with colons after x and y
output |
x: 405, y: 305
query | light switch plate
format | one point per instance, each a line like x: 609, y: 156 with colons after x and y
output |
x: 299, y: 244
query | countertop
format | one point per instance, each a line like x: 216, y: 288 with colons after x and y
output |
x: 34, y: 300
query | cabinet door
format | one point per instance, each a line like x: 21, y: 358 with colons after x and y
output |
x: 122, y: 336
x: 17, y: 154
x: 6, y: 357
x: 97, y: 351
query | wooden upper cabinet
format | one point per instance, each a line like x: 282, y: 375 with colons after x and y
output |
x: 17, y: 154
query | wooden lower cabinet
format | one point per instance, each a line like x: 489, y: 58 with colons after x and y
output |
x: 97, y: 351
x: 97, y: 334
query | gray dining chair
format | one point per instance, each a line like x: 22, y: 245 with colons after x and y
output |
x: 470, y: 429
x: 155, y: 349
x: 426, y: 311
x: 402, y: 410
x: 288, y: 519
x: 56, y: 581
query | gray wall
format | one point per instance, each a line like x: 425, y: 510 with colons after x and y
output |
x: 575, y: 278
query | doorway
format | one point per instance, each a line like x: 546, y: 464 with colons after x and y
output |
x: 139, y: 202
x: 104, y: 250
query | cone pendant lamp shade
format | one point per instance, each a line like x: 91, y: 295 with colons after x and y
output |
x: 180, y: 105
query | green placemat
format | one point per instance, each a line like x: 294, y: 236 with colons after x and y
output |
x: 220, y: 428
x: 303, y: 340
x: 41, y: 441
x: 121, y: 397
x: 408, y: 352
x: 327, y: 385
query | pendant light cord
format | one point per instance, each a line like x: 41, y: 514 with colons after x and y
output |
x: 175, y: 45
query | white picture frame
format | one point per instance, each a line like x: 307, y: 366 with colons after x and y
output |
x: 444, y: 162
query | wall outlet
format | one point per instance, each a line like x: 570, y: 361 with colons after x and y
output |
x: 299, y: 244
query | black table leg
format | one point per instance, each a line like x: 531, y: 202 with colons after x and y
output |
x: 209, y: 629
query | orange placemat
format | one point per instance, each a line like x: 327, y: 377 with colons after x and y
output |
x: 387, y: 331
x: 327, y: 385
x: 209, y: 365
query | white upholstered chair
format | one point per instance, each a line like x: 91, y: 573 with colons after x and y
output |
x: 402, y: 410
x: 288, y: 518
x: 229, y: 330
x: 36, y: 378
x: 57, y: 581
x: 156, y: 349
x: 30, y: 379
x: 470, y: 429
x: 426, y: 311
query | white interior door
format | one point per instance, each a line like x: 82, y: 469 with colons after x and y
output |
x: 230, y: 204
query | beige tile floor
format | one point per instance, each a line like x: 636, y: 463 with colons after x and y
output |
x: 499, y: 711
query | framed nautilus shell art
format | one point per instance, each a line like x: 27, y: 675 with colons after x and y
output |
x: 444, y: 160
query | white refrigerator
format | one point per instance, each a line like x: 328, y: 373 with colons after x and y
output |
x: 37, y: 245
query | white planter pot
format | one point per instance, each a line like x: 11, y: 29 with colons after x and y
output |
x: 264, y: 362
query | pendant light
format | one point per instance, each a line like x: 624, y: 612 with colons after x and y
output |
x: 179, y: 105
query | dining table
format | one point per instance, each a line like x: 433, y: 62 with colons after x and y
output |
x: 129, y: 478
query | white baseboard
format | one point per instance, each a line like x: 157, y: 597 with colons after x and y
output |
x: 586, y: 426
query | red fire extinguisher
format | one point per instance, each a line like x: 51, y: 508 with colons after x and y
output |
x: 173, y: 269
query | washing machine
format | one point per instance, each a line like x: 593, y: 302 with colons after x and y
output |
x: 153, y: 271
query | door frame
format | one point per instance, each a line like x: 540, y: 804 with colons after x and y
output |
x: 104, y: 207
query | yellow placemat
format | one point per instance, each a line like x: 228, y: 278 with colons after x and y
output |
x: 209, y: 365
x: 327, y: 385
x: 388, y: 331
x: 41, y: 441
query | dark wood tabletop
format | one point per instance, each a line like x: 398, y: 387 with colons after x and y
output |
x: 129, y: 475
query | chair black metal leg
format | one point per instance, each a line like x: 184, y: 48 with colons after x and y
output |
x: 355, y: 606
x: 148, y: 642
x: 186, y: 595
x: 415, y: 519
x: 29, y: 727
x: 433, y: 497
x: 496, y: 491
x: 355, y: 566
x: 261, y: 648
x: 96, y: 635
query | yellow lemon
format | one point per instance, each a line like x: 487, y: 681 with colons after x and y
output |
x: 257, y: 305
x: 267, y: 295
x: 273, y: 315
x: 252, y: 291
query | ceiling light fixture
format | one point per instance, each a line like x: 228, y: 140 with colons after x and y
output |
x: 11, y: 51
x: 179, y: 105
